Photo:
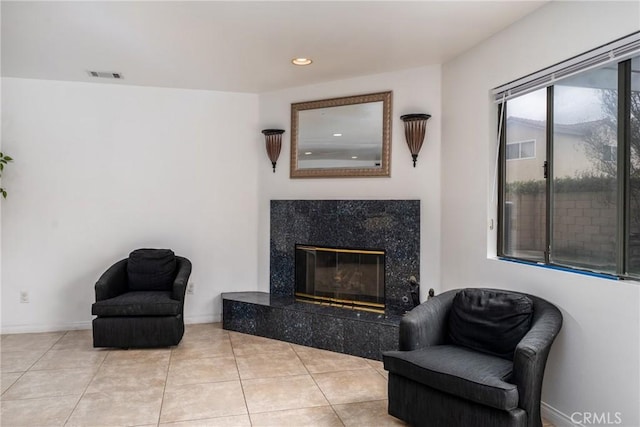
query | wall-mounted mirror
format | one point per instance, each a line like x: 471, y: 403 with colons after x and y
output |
x: 341, y: 137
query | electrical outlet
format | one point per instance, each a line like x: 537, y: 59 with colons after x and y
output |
x: 24, y: 297
x: 190, y: 287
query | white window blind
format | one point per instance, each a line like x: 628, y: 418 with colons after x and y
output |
x: 616, y: 51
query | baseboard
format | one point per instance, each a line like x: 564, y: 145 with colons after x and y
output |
x: 556, y: 417
x: 56, y: 327
x: 72, y: 326
x: 207, y: 318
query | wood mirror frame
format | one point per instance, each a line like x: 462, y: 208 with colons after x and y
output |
x: 324, y: 106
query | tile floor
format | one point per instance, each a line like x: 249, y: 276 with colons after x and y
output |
x: 213, y: 378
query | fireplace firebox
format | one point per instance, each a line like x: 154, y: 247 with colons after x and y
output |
x: 344, y: 277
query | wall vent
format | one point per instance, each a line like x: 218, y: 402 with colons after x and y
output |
x: 105, y: 74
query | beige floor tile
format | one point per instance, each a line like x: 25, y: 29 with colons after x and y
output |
x: 376, y: 364
x: 7, y: 379
x: 249, y: 344
x: 68, y: 359
x: 232, y: 421
x: 352, y: 386
x: 48, y: 411
x: 317, y: 361
x: 204, y: 331
x: 218, y: 347
x: 322, y: 416
x: 19, y: 361
x: 197, y: 371
x: 201, y: 401
x: 118, y: 408
x: 275, y: 394
x: 267, y: 365
x: 76, y: 340
x: 53, y: 383
x: 200, y: 379
x: 144, y: 357
x: 134, y: 377
x: 30, y: 342
x: 367, y: 414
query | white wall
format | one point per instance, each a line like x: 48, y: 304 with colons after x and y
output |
x: 414, y: 91
x: 594, y: 364
x: 102, y: 169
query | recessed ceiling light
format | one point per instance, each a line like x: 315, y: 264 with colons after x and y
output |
x: 337, y: 134
x: 301, y: 61
x: 306, y: 153
x: 354, y: 157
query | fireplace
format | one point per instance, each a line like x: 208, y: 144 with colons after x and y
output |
x: 333, y: 228
x: 344, y: 277
x: 390, y: 224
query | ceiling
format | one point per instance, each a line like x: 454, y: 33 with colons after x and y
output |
x: 240, y: 46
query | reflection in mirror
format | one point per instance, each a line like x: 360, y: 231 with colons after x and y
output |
x: 338, y: 137
x: 341, y: 137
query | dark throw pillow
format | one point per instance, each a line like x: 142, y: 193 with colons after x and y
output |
x: 490, y: 321
x: 151, y: 270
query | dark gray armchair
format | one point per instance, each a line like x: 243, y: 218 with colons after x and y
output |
x: 140, y: 301
x: 481, y: 378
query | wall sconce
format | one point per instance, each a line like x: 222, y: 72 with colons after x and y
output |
x: 415, y: 127
x: 273, y: 140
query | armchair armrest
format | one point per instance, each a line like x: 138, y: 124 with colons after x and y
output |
x: 182, y: 277
x: 113, y: 282
x: 426, y: 325
x: 531, y: 354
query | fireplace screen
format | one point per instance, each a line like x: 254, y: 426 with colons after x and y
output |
x: 351, y: 278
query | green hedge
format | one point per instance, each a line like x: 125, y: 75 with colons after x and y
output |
x: 585, y: 184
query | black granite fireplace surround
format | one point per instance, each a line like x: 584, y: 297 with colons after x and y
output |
x: 391, y: 225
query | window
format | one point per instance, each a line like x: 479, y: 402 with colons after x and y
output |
x: 525, y: 197
x: 632, y: 156
x: 521, y: 150
x: 584, y: 191
x: 576, y: 201
x: 609, y: 153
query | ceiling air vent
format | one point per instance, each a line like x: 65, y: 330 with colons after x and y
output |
x: 105, y: 74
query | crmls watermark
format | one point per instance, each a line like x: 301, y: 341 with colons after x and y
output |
x: 597, y: 418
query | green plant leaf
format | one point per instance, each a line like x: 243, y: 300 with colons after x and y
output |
x: 4, y: 194
x: 8, y: 159
x: 1, y: 166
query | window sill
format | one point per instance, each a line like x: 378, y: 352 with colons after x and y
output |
x: 561, y: 268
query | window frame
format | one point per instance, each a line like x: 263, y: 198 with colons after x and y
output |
x: 623, y: 153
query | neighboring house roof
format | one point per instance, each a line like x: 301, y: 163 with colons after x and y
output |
x: 567, y: 129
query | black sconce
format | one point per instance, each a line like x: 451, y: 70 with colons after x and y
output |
x: 273, y: 140
x: 415, y: 127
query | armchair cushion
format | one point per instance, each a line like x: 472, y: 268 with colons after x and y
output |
x: 151, y: 269
x: 141, y: 303
x: 458, y: 371
x: 489, y: 320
